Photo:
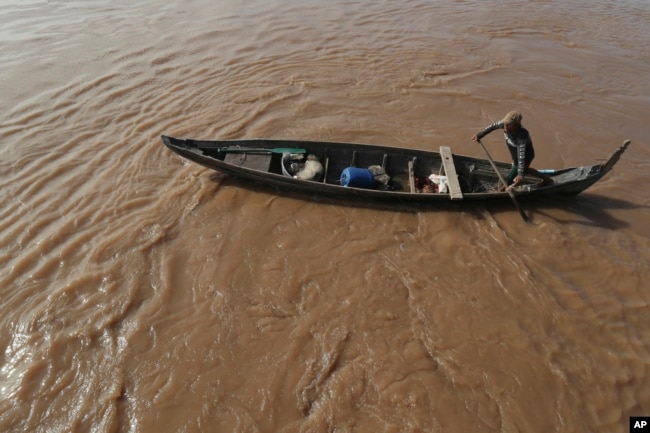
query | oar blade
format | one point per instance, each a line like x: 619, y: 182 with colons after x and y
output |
x: 510, y: 193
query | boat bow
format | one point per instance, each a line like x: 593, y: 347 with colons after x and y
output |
x: 615, y: 156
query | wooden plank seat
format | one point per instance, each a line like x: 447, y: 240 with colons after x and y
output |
x: 450, y: 171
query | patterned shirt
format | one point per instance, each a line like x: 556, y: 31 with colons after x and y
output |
x: 519, y: 144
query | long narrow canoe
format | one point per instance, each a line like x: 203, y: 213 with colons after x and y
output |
x: 354, y: 172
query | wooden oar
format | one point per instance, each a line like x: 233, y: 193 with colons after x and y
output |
x: 261, y: 150
x: 510, y: 193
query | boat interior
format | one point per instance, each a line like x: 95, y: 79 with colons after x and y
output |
x: 423, y: 172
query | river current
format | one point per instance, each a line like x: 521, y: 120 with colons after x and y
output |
x: 140, y: 292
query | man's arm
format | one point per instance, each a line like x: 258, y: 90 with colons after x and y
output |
x: 492, y: 127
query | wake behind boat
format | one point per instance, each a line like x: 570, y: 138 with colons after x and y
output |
x: 351, y: 172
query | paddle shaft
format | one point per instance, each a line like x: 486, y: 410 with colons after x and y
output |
x: 510, y: 193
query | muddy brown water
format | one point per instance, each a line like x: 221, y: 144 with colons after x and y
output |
x: 142, y: 293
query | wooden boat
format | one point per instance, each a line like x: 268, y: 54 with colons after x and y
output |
x: 354, y: 172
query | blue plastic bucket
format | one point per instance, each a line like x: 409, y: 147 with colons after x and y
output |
x: 357, y: 178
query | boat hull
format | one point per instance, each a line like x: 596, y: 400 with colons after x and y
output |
x: 263, y: 161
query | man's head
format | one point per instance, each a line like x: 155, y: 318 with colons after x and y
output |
x: 512, y: 121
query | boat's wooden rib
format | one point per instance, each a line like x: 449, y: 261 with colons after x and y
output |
x: 412, y: 175
x: 469, y: 178
x: 326, y: 167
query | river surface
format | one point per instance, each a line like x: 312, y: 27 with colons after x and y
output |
x: 143, y: 293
